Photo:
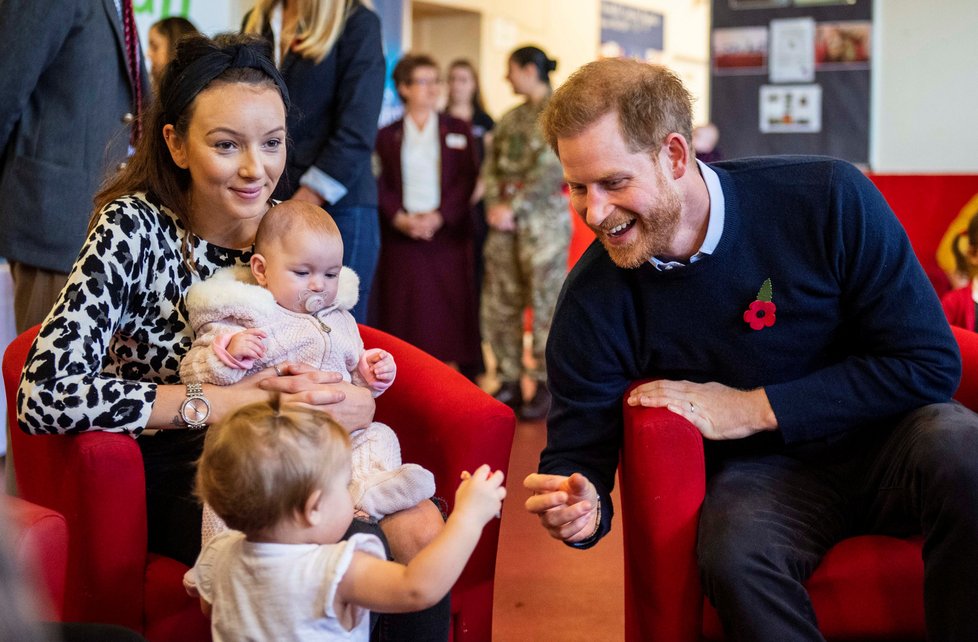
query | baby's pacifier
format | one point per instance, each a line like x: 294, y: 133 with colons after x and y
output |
x: 314, y: 302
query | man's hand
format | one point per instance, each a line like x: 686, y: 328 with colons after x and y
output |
x: 718, y: 411
x: 567, y: 506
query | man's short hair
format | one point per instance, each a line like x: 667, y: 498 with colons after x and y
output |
x: 650, y: 100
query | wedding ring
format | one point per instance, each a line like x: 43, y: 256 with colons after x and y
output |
x: 279, y: 372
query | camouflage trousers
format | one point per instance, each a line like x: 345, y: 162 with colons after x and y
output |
x: 523, y: 269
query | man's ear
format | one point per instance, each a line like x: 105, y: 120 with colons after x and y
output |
x: 258, y: 267
x: 176, y: 145
x: 677, y: 149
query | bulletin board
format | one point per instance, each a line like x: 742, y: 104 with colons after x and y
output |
x: 791, y: 77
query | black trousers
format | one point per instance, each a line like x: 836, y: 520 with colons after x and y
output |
x: 767, y: 521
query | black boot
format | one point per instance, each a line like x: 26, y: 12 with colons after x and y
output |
x: 510, y: 394
x: 537, y: 407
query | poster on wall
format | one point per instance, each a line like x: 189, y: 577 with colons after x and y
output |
x: 759, y: 4
x: 391, y: 14
x: 740, y: 50
x: 208, y: 16
x: 631, y: 32
x: 790, y: 109
x: 843, y: 45
x: 792, y: 53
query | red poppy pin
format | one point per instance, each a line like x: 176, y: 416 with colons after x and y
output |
x: 760, y: 313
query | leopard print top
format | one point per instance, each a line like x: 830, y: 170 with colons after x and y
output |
x: 120, y: 325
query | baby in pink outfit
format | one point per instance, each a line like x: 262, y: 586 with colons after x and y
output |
x: 293, y: 306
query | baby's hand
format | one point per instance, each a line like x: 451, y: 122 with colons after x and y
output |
x: 377, y: 368
x: 382, y: 365
x: 247, y: 344
x: 480, y: 495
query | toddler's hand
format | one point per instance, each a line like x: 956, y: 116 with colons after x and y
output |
x: 480, y: 495
x: 247, y: 344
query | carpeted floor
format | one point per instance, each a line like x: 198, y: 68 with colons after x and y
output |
x: 545, y: 590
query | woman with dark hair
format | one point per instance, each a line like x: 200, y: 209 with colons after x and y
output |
x: 425, y: 291
x: 163, y: 38
x: 187, y: 204
x: 529, y: 233
x: 330, y: 54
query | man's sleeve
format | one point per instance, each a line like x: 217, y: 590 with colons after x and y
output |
x: 587, y: 376
x: 360, y: 92
x: 32, y: 34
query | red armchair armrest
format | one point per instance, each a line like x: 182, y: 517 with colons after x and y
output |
x: 447, y: 424
x: 663, y: 481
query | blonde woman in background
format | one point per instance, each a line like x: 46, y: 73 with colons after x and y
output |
x: 330, y: 54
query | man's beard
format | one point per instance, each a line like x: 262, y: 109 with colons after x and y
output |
x: 655, y: 228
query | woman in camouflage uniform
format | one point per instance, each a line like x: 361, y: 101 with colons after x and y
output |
x: 529, y: 233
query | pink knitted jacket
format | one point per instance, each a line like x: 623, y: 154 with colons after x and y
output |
x: 231, y: 301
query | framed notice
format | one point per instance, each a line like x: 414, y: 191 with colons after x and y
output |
x: 791, y: 109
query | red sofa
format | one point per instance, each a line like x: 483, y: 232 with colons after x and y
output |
x: 868, y: 587
x: 96, y: 481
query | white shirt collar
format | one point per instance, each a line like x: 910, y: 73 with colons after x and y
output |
x: 714, y: 227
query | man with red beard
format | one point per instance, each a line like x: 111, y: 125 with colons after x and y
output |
x: 780, y: 304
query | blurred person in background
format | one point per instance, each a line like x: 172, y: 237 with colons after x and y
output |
x: 529, y: 234
x: 425, y: 290
x: 163, y: 38
x: 330, y: 53
x: 465, y: 103
x: 72, y: 89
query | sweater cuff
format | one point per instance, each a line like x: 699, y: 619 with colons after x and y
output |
x: 323, y: 184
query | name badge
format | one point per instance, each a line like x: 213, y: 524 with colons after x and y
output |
x: 456, y: 141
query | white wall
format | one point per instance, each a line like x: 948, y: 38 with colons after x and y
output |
x: 925, y: 63
x: 925, y: 87
x: 569, y: 31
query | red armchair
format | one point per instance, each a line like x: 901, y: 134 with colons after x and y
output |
x: 867, y: 587
x: 39, y: 544
x: 96, y: 481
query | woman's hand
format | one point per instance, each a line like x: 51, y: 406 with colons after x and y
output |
x: 352, y: 406
x: 500, y: 217
x: 309, y: 196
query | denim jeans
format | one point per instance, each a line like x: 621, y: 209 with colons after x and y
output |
x: 767, y: 521
x: 360, y: 229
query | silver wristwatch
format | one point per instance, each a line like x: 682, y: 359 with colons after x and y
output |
x: 195, y: 409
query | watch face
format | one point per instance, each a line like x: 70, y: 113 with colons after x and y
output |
x: 195, y: 411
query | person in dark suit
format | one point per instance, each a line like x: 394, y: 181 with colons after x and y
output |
x: 68, y: 105
x: 425, y: 291
x: 330, y: 54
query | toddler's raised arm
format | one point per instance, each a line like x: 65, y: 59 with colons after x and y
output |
x: 390, y: 587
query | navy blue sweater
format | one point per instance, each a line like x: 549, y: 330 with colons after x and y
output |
x: 859, y: 336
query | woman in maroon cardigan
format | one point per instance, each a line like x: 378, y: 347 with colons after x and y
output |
x: 424, y: 291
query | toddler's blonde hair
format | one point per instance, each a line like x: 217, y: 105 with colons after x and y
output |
x: 261, y: 464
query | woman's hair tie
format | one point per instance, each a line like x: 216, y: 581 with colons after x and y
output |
x: 179, y: 87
